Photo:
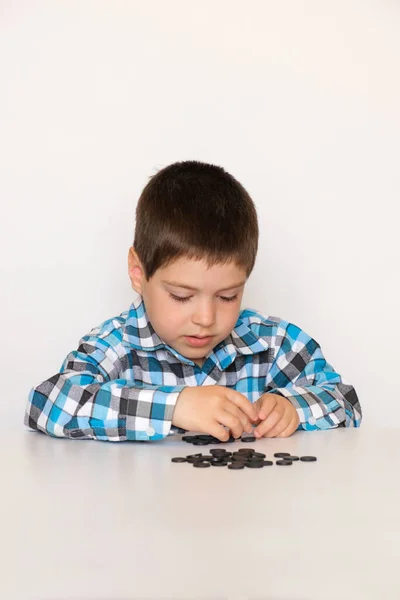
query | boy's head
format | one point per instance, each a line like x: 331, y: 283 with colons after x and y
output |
x: 196, y: 226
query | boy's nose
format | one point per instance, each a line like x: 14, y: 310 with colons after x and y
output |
x: 204, y: 316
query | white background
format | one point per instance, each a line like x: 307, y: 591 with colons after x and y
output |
x: 300, y: 101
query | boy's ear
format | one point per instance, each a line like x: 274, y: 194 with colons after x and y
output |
x: 135, y: 270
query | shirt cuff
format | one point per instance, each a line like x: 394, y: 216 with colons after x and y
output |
x: 157, y: 425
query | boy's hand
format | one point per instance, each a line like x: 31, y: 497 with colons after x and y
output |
x: 277, y: 416
x: 208, y: 408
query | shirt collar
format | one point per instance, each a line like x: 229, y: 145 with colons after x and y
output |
x: 139, y: 333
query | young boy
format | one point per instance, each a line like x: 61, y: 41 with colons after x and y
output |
x: 185, y: 356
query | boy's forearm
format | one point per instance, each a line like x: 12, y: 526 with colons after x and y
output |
x: 322, y: 398
x: 77, y: 405
x: 324, y: 407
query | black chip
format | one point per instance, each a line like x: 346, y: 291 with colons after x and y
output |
x: 284, y: 462
x: 218, y: 459
x: 206, y: 456
x: 248, y: 439
x: 204, y: 439
x: 308, y: 458
x: 259, y: 455
x: 255, y: 464
x: 223, y: 463
x: 291, y: 457
x: 194, y: 455
x: 178, y: 459
x: 236, y: 465
x: 201, y: 465
x: 246, y: 450
x: 281, y: 454
x: 267, y: 463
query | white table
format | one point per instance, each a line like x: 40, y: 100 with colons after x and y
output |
x: 88, y: 519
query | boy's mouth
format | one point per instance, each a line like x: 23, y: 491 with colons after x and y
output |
x: 198, y: 341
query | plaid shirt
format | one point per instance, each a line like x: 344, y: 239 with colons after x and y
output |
x: 123, y: 381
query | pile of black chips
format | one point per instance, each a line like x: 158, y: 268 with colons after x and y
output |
x: 205, y: 439
x: 244, y: 457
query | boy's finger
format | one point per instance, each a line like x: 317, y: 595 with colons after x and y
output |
x: 230, y: 421
x: 237, y: 412
x: 271, y: 421
x: 279, y: 427
x: 218, y: 432
x: 267, y: 406
x: 243, y: 403
x: 290, y: 428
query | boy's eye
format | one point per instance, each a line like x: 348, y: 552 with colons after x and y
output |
x: 223, y: 298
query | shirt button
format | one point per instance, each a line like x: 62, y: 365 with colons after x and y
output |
x: 150, y: 431
x: 312, y: 421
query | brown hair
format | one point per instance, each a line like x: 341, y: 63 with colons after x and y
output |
x: 198, y: 211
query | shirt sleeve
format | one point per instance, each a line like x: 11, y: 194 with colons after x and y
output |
x: 322, y: 398
x: 87, y: 400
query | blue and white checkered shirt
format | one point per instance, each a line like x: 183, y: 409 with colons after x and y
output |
x: 123, y: 381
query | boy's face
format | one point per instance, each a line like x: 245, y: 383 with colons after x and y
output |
x: 176, y: 312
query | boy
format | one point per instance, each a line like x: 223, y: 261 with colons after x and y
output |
x: 185, y: 356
